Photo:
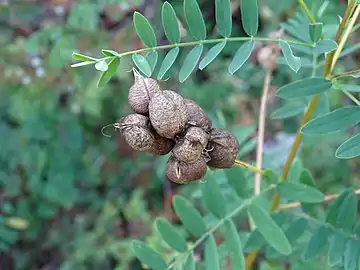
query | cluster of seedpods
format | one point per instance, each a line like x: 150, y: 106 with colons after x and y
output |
x: 164, y: 122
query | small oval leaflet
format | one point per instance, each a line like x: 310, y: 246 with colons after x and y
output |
x: 211, y: 55
x: 112, y: 67
x: 349, y: 149
x: 168, y: 61
x: 223, y: 17
x: 250, y: 16
x: 288, y: 110
x: 212, y: 261
x: 170, y: 23
x: 144, y: 30
x: 190, y: 62
x: 142, y: 64
x: 148, y: 256
x: 194, y: 19
x: 293, y: 61
x: 241, y: 56
x: 300, y: 192
x: 170, y: 235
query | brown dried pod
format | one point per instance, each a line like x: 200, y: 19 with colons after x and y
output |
x: 137, y: 132
x: 197, y: 135
x: 187, y: 151
x: 168, y: 115
x: 141, y: 92
x: 197, y: 116
x: 222, y: 148
x: 161, y: 145
x: 183, y: 173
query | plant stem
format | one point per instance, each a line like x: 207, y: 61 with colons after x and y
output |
x: 345, y: 74
x: 248, y: 166
x: 350, y: 96
x: 307, y: 11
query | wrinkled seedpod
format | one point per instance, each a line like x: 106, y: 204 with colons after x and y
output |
x: 183, y: 173
x: 141, y: 92
x: 197, y: 116
x: 168, y: 115
x: 197, y: 135
x: 187, y: 151
x: 136, y: 131
x: 161, y: 145
x: 223, y: 148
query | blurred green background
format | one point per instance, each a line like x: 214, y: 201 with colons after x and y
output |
x: 82, y: 196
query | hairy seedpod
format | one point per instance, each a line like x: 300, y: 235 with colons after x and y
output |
x: 141, y: 92
x: 197, y: 116
x: 167, y: 112
x: 222, y: 148
x: 183, y: 173
x: 161, y: 145
x: 197, y: 135
x: 187, y: 151
x: 137, y: 132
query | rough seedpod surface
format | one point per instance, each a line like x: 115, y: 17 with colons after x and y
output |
x: 197, y: 116
x: 161, y: 145
x: 197, y: 135
x: 168, y: 114
x: 183, y: 173
x: 186, y: 151
x: 141, y: 92
x: 223, y: 148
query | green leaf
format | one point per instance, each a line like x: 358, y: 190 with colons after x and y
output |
x: 272, y: 233
x: 337, y: 120
x: 349, y: 149
x: 142, y: 64
x: 223, y: 17
x: 250, y: 16
x: 212, y: 261
x: 189, y: 216
x: 213, y: 198
x: 82, y: 57
x: 300, y: 192
x: 315, y: 31
x: 325, y: 46
x: 211, y: 55
x: 288, y: 110
x: 346, y: 218
x: 336, y: 249
x: 144, y: 30
x: 152, y: 58
x: 190, y: 262
x: 101, y: 66
x: 241, y: 56
x: 106, y: 76
x: 333, y: 210
x: 352, y: 254
x: 148, y: 256
x: 109, y: 52
x: 168, y: 61
x: 190, y: 62
x: 170, y: 23
x: 234, y: 246
x: 237, y: 180
x: 194, y: 19
x: 170, y: 235
x: 303, y: 88
x: 295, y: 171
x: 255, y: 241
x: 293, y: 61
x: 86, y: 63
x: 317, y: 243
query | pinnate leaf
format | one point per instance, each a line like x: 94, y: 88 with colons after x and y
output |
x: 190, y: 62
x: 288, y: 110
x: 300, y: 192
x: 189, y: 216
x: 106, y: 76
x: 250, y: 16
x: 142, y: 64
x: 317, y: 243
x: 148, y: 256
x: 234, y: 245
x: 303, y: 88
x: 336, y: 120
x: 170, y: 235
x: 194, y: 19
x: 170, y: 23
x: 211, y: 55
x: 349, y: 149
x: 212, y: 261
x: 272, y: 233
x: 168, y: 61
x: 144, y: 30
x: 241, y: 56
x: 223, y: 17
x: 293, y: 61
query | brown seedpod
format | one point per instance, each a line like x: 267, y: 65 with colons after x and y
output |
x: 187, y: 151
x: 141, y: 92
x: 183, y: 173
x: 137, y: 132
x: 197, y: 135
x: 161, y: 145
x: 168, y: 114
x: 197, y: 116
x: 222, y: 148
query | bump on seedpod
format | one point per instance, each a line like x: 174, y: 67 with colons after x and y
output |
x: 137, y: 132
x: 187, y: 151
x: 197, y: 116
x: 223, y: 148
x: 161, y: 145
x: 141, y: 92
x: 183, y: 173
x: 197, y: 135
x: 168, y: 114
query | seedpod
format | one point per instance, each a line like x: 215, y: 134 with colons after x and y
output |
x: 161, y: 145
x: 222, y: 148
x: 197, y: 116
x: 187, y: 151
x: 168, y: 114
x: 141, y: 92
x: 183, y: 173
x: 197, y: 135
